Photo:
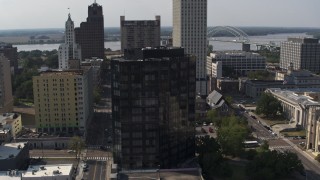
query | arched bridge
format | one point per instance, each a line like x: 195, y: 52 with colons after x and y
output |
x: 241, y: 35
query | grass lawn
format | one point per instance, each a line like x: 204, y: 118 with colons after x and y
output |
x: 295, y: 133
x: 271, y: 122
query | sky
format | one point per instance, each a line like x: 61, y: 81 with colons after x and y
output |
x: 29, y: 14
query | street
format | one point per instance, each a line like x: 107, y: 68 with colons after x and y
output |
x: 97, y: 170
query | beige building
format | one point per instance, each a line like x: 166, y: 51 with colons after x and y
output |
x: 297, y: 102
x: 190, y: 32
x: 63, y: 100
x: 6, y: 98
x: 140, y: 34
x: 11, y: 122
x: 313, y: 129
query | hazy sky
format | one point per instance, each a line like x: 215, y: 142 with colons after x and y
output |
x: 26, y: 14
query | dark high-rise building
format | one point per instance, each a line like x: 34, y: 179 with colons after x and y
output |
x: 139, y: 34
x: 153, y: 107
x: 90, y: 34
x: 10, y: 53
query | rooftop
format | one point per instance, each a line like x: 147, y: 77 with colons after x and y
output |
x: 48, y: 170
x: 10, y: 175
x: 11, y: 150
x: 293, y: 96
x: 61, y: 72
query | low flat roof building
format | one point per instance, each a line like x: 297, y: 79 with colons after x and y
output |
x: 11, y: 122
x: 48, y: 172
x: 296, y: 102
x: 13, y: 155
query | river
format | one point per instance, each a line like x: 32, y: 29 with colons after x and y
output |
x: 217, y: 45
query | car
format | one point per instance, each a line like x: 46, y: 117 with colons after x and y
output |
x: 204, y: 124
x: 253, y: 117
x: 211, y: 124
x: 71, y: 151
x: 85, y: 165
x: 210, y: 129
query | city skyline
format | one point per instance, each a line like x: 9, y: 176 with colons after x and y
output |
x: 285, y: 13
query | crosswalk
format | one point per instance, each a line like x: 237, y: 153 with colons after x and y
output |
x: 98, y: 158
x: 94, y: 147
x: 267, y: 138
x: 280, y: 147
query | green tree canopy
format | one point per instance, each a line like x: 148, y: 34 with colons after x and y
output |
x: 268, y: 105
x: 214, y: 117
x: 270, y: 164
x: 77, y: 144
x: 232, y: 134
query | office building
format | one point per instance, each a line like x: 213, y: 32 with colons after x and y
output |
x: 6, y: 98
x: 153, y: 107
x: 302, y: 53
x: 313, y: 129
x: 11, y: 54
x: 139, y: 34
x: 69, y: 50
x: 190, y: 32
x: 63, y: 100
x: 239, y: 61
x: 90, y: 34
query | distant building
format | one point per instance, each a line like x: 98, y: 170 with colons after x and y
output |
x: 227, y: 85
x: 298, y: 77
x: 48, y: 172
x: 284, y: 79
x: 11, y: 122
x: 303, y: 53
x: 6, y: 98
x: 95, y: 65
x: 69, y: 50
x: 153, y: 107
x: 11, y: 54
x: 190, y: 32
x: 13, y: 156
x: 90, y: 34
x: 63, y: 100
x: 139, y: 34
x: 239, y: 61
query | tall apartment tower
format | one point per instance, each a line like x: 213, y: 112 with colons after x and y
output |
x: 69, y: 50
x: 11, y: 54
x: 140, y: 34
x: 6, y: 98
x: 190, y: 32
x: 63, y: 100
x: 90, y: 34
x: 301, y: 53
x: 153, y: 107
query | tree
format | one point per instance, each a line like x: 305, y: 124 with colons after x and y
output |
x: 231, y: 135
x: 317, y: 158
x: 214, y: 117
x: 77, y: 144
x: 268, y: 105
x: 270, y: 164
